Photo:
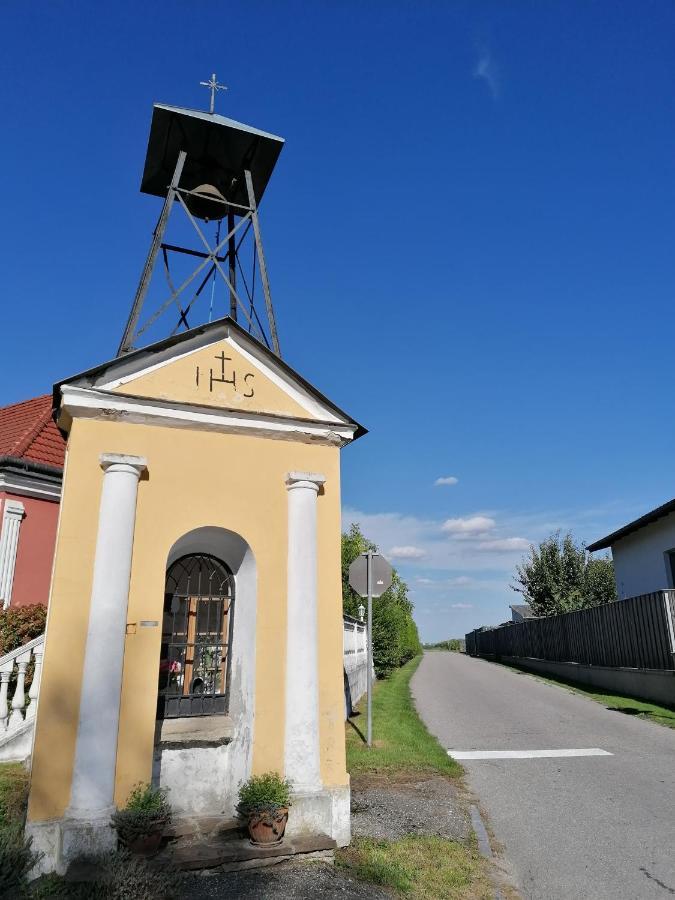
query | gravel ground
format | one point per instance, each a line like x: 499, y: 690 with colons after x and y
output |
x: 299, y: 880
x: 387, y: 811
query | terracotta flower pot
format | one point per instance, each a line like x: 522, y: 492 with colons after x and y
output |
x: 268, y: 827
x: 145, y: 844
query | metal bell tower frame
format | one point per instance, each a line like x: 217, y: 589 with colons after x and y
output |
x: 214, y: 169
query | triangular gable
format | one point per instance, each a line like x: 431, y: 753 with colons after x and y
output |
x: 217, y: 365
x: 216, y: 375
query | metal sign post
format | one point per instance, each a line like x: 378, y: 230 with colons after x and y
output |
x: 369, y: 638
x: 370, y: 575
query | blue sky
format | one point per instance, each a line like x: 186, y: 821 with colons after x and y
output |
x: 469, y: 234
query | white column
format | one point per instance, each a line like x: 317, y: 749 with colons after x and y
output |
x: 9, y: 544
x: 302, y: 759
x: 91, y: 796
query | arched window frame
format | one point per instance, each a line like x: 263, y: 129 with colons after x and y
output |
x: 190, y: 599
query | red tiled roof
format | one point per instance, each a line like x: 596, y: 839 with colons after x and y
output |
x: 27, y: 431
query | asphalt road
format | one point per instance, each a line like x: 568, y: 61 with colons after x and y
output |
x: 575, y: 828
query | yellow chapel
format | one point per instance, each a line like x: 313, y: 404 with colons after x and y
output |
x: 194, y: 633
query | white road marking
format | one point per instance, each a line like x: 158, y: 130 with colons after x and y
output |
x: 525, y: 754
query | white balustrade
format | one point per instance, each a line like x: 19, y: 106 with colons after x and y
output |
x: 18, y: 661
x: 38, y: 653
x: 355, y: 659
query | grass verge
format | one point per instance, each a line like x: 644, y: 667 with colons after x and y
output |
x: 422, y: 867
x: 401, y: 742
x: 13, y: 792
x: 630, y: 706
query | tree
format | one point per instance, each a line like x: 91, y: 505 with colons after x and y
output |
x: 560, y: 576
x: 395, y: 637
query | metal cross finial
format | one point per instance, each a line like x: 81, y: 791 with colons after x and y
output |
x: 213, y: 86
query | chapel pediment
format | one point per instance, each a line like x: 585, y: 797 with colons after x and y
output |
x: 211, y: 371
x: 218, y: 375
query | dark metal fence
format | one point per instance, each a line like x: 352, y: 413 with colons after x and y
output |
x: 638, y: 633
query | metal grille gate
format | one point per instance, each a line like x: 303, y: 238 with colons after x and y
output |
x: 196, y: 636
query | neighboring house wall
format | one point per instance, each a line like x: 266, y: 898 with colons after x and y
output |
x: 641, y: 563
x: 35, y: 550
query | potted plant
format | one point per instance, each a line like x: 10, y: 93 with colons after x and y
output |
x: 263, y: 803
x: 140, y: 825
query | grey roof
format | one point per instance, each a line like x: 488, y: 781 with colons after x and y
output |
x: 219, y: 120
x: 524, y: 609
x: 219, y: 150
x: 647, y: 519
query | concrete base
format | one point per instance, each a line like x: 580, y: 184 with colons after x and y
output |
x: 654, y: 685
x: 326, y: 811
x: 46, y: 842
x: 323, y: 812
x: 63, y: 840
x: 16, y: 746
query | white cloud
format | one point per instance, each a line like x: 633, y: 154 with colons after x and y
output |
x: 486, y: 557
x: 446, y: 480
x: 406, y: 552
x: 469, y: 525
x: 488, y: 71
x: 460, y: 581
x: 505, y: 544
x: 461, y: 605
x: 455, y: 556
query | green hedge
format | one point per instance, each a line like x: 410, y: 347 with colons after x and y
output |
x: 395, y: 637
x: 20, y: 624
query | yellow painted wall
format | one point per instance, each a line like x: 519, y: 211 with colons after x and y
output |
x: 216, y: 375
x: 194, y: 479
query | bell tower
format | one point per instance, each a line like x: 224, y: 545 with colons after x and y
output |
x: 214, y: 171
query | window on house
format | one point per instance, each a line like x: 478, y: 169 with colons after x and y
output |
x: 196, y: 637
x: 670, y: 556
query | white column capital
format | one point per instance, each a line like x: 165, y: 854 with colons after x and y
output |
x: 307, y: 480
x: 123, y: 462
x: 14, y: 509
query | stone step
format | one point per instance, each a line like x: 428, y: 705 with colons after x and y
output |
x: 231, y: 851
x: 202, y: 826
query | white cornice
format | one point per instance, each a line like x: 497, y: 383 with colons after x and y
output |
x: 94, y: 404
x: 29, y: 485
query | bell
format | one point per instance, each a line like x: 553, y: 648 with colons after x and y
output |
x: 202, y: 206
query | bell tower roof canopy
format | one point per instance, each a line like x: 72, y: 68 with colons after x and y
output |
x: 213, y: 144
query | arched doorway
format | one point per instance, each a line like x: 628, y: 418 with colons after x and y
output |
x: 197, y: 628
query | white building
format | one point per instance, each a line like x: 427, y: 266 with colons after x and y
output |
x: 643, y: 552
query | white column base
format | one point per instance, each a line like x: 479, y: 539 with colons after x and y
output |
x: 90, y: 836
x: 324, y: 811
x: 60, y: 841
